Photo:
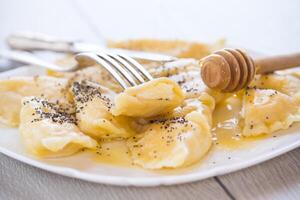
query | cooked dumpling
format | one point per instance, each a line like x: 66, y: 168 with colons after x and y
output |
x: 153, y: 98
x: 12, y: 91
x: 93, y: 73
x: 287, y: 84
x: 178, y: 48
x: 93, y: 105
x: 47, y: 130
x: 174, y: 142
x: 266, y: 111
x: 185, y: 72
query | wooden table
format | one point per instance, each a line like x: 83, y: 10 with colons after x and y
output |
x: 269, y: 26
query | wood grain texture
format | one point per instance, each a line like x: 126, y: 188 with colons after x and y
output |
x: 276, y: 179
x: 21, y: 181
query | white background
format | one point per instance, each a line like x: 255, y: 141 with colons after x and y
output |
x: 270, y: 26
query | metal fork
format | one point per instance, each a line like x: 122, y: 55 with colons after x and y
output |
x: 125, y: 70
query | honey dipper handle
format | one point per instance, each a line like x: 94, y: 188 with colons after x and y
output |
x: 270, y: 64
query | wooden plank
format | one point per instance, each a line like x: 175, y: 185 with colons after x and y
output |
x: 278, y: 178
x: 21, y: 181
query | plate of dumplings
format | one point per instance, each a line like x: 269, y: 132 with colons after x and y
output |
x: 170, y: 130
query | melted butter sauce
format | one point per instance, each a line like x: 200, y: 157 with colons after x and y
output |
x: 226, y: 134
x: 113, y: 153
x: 227, y: 124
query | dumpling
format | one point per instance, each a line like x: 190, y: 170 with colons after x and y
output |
x: 185, y: 72
x: 93, y: 105
x: 12, y: 91
x: 178, y: 48
x: 267, y: 110
x: 93, y: 73
x: 287, y: 84
x: 152, y: 98
x: 175, y: 141
x: 47, y: 130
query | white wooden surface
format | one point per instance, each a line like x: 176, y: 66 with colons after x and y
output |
x: 267, y: 26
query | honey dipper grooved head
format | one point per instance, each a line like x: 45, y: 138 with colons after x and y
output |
x: 227, y: 70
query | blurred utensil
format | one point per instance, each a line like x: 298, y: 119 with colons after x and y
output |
x: 30, y: 41
x: 31, y: 59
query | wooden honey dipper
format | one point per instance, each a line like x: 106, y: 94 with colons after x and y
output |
x: 230, y: 70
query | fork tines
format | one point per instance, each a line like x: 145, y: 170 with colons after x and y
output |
x: 125, y: 70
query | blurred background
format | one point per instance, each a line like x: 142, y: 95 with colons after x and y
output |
x: 270, y: 26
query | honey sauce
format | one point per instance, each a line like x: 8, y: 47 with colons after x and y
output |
x: 227, y: 123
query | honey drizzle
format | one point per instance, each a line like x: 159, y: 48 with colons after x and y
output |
x: 228, y: 123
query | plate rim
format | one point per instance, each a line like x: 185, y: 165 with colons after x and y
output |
x: 145, y: 181
x: 149, y: 181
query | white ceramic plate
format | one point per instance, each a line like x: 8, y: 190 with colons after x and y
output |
x: 217, y: 162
